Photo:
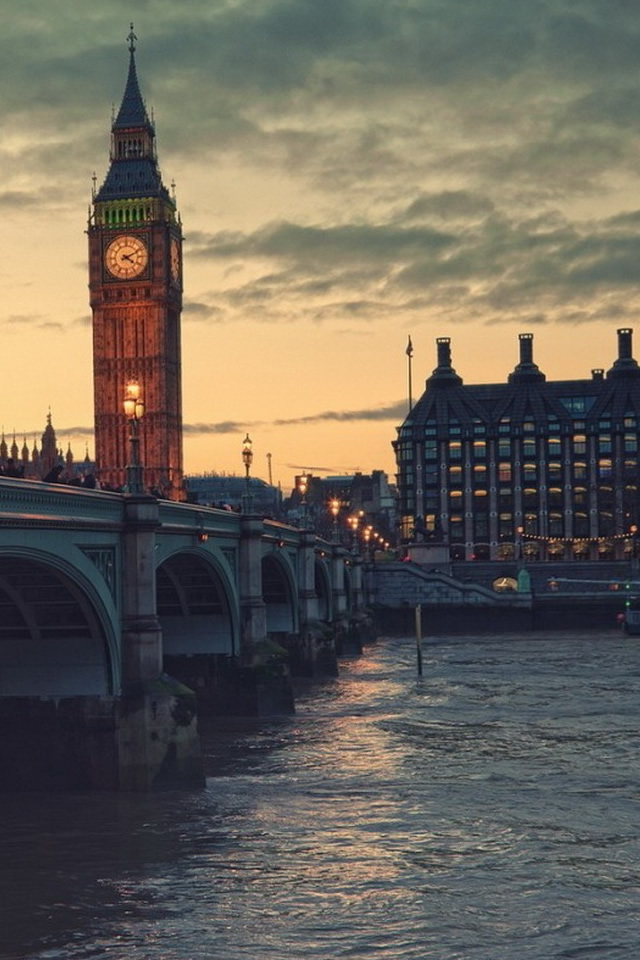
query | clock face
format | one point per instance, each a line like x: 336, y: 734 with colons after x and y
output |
x: 126, y: 257
x: 174, y: 256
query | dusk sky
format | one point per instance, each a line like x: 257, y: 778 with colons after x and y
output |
x: 349, y: 173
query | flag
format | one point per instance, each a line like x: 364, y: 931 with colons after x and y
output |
x: 409, y: 350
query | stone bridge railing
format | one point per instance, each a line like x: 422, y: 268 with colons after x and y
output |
x: 398, y: 585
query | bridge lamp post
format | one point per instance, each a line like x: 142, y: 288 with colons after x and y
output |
x: 134, y: 412
x: 367, y: 539
x: 353, y: 523
x: 303, y: 486
x: 633, y: 530
x: 334, y: 509
x: 518, y: 550
x: 247, y: 459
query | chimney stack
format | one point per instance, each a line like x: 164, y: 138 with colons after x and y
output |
x: 625, y: 365
x: 526, y: 369
x: 444, y: 372
x: 624, y: 344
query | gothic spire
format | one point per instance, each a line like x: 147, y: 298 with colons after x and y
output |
x: 133, y: 172
x: 133, y: 112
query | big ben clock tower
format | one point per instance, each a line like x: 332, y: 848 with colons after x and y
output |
x: 135, y: 284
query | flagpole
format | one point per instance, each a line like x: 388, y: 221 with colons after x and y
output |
x: 409, y: 352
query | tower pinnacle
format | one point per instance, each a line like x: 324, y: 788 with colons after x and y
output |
x: 132, y: 40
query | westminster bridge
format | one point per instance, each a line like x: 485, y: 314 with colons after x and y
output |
x: 123, y: 617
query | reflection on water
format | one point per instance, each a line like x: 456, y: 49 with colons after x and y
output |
x: 488, y: 810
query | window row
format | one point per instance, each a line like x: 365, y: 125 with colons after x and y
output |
x: 554, y: 526
x: 529, y: 447
x: 531, y: 472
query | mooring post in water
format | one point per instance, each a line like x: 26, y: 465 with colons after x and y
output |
x: 419, y: 637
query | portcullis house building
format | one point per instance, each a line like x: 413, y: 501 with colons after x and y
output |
x: 528, y: 469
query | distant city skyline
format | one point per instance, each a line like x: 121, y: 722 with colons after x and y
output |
x: 348, y: 174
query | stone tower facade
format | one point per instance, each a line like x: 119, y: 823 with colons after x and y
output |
x: 135, y: 284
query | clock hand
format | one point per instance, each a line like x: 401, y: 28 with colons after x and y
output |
x: 127, y: 256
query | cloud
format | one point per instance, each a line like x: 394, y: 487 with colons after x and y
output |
x: 203, y: 429
x: 202, y: 312
x: 78, y: 431
x: 16, y: 200
x: 290, y: 241
x: 24, y: 320
x: 392, y: 412
x: 490, y: 267
x: 395, y: 412
x: 363, y: 165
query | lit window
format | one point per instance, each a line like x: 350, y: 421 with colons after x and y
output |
x: 456, y: 529
x: 480, y: 473
x: 555, y: 497
x: 479, y: 449
x: 505, y: 525
x: 580, y: 497
x: 555, y: 524
x: 505, y: 498
x: 554, y: 446
x: 580, y: 524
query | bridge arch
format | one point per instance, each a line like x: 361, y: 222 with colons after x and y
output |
x: 279, y: 592
x: 322, y: 585
x: 56, y: 636
x: 196, y: 605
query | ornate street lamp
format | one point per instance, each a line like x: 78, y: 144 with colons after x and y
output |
x: 134, y: 411
x: 518, y: 550
x: 334, y: 510
x: 247, y: 459
x: 368, y: 530
x: 303, y: 486
x: 354, y: 522
x: 633, y: 530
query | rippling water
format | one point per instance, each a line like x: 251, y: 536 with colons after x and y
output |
x: 486, y: 811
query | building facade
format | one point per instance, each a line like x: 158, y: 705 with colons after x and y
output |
x: 527, y: 469
x: 369, y: 497
x: 36, y: 463
x: 135, y: 283
x: 235, y: 493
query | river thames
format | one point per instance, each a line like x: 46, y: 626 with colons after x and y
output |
x: 488, y: 810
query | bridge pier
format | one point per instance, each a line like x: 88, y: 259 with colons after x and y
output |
x: 157, y: 736
x: 315, y: 653
x: 260, y: 683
